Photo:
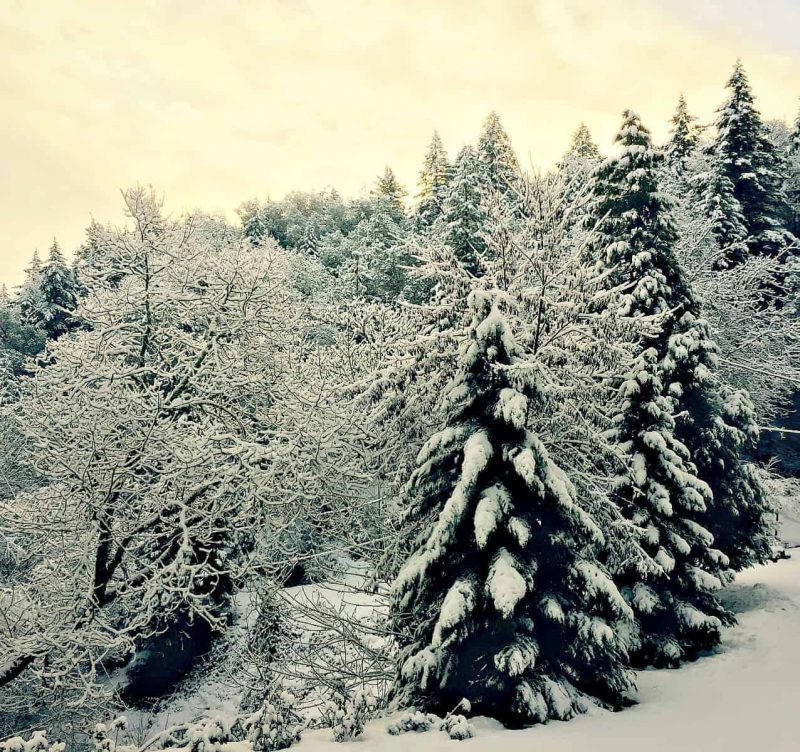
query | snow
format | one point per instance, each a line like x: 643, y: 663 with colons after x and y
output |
x: 505, y: 584
x: 740, y: 699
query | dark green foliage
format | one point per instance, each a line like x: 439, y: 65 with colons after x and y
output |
x: 502, y: 601
x: 434, y: 179
x: 744, y: 153
x: 462, y: 223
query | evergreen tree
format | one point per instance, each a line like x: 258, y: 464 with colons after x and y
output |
x: 795, y: 138
x: 583, y: 145
x: 433, y: 181
x: 720, y: 205
x: 502, y: 601
x: 684, y: 136
x: 499, y: 166
x: 576, y: 166
x: 463, y: 219
x: 59, y: 295
x: 388, y: 188
x: 792, y: 184
x: 748, y: 159
x: 677, y: 613
x: 379, y: 258
x: 29, y: 297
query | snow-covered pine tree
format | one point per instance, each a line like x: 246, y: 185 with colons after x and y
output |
x: 575, y: 168
x: 582, y: 144
x: 462, y: 222
x: 502, y: 601
x: 59, y: 295
x: 684, y: 136
x: 723, y: 210
x: 499, y: 165
x: 378, y: 257
x: 29, y: 295
x: 388, y: 188
x: 792, y: 184
x: 677, y: 613
x: 748, y: 159
x: 433, y: 181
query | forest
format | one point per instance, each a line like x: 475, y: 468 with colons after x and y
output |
x: 490, y: 447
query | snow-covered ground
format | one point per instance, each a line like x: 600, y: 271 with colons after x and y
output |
x: 744, y: 698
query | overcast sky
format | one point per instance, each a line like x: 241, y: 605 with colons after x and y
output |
x: 216, y: 102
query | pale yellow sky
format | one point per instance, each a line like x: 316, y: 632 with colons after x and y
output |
x: 217, y: 102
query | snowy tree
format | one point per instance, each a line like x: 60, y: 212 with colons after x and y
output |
x: 582, y: 144
x: 724, y: 212
x: 462, y: 221
x: 59, y: 295
x: 684, y: 136
x: 29, y: 296
x: 758, y: 342
x: 576, y: 167
x: 792, y: 184
x: 496, y: 157
x: 745, y: 155
x: 677, y: 613
x: 378, y: 259
x: 502, y: 601
x: 433, y: 182
x: 151, y: 430
x: 389, y: 190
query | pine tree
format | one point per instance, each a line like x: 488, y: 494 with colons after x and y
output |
x: 500, y: 169
x: 792, y: 184
x: 582, y: 144
x: 433, y: 181
x: 463, y: 219
x: 677, y: 613
x: 716, y: 423
x: 29, y: 297
x: 576, y: 166
x: 388, y: 188
x: 720, y: 205
x: 502, y: 601
x: 743, y: 151
x: 684, y: 136
x: 59, y: 295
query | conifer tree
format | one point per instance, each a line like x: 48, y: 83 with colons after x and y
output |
x: 59, y: 295
x: 663, y: 493
x: 748, y: 159
x: 502, y: 601
x: 388, y: 188
x: 684, y: 136
x: 433, y: 181
x: 794, y: 146
x: 577, y: 165
x: 496, y: 156
x: 462, y: 222
x: 29, y: 298
x: 720, y: 205
x: 582, y: 144
x: 792, y: 184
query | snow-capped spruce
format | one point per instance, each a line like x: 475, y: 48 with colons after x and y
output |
x: 683, y: 138
x: 502, y: 600
x: 463, y: 220
x: 667, y: 491
x: 742, y: 150
x: 433, y: 181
